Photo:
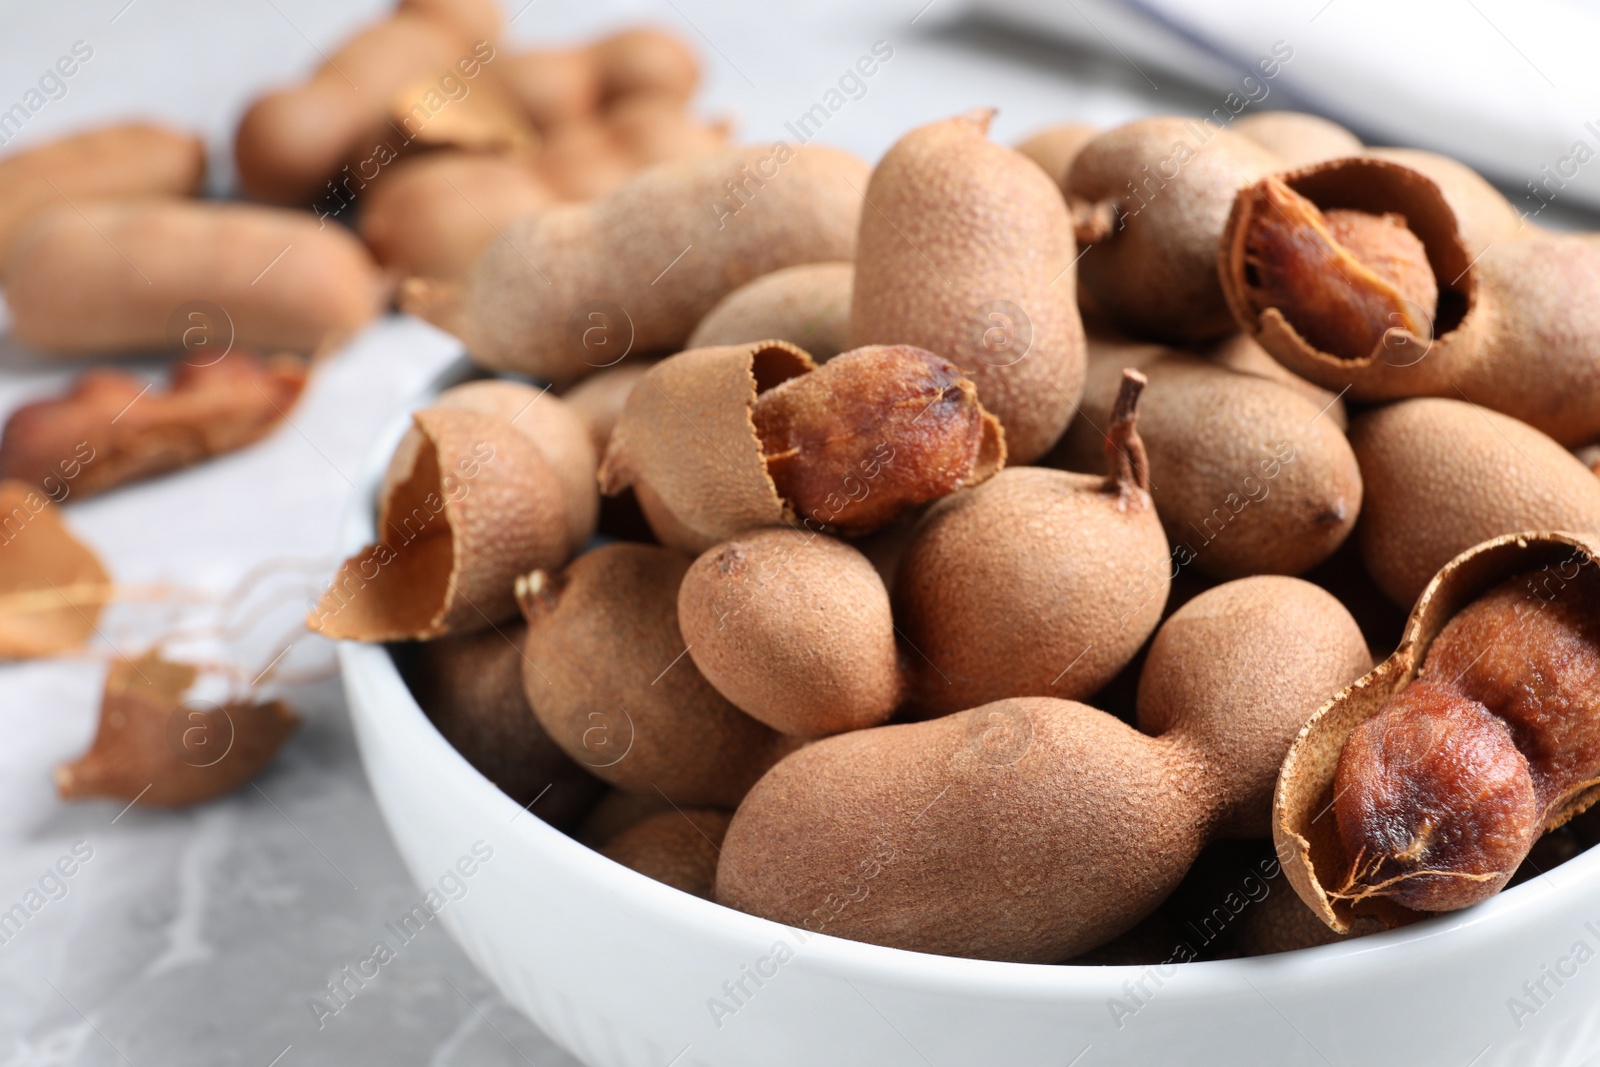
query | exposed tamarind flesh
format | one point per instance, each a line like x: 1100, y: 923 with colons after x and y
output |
x: 1440, y: 795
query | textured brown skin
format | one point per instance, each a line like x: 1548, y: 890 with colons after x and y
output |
x: 958, y: 223
x: 1297, y: 138
x: 470, y: 686
x: 462, y: 517
x: 617, y: 810
x: 290, y: 142
x: 1342, y: 278
x: 1035, y: 829
x: 1443, y: 475
x: 600, y: 644
x: 559, y: 433
x: 207, y: 410
x: 1307, y: 842
x: 666, y: 527
x: 807, y: 305
x: 1265, y: 651
x: 1156, y: 274
x: 678, y: 848
x: 686, y: 437
x: 131, y: 159
x: 1035, y: 583
x: 133, y: 756
x: 873, y: 434
x: 108, y: 279
x: 1518, y: 328
x: 435, y: 214
x: 1483, y: 213
x: 799, y: 206
x: 1241, y: 353
x: 961, y: 849
x: 599, y: 399
x: 1055, y: 147
x: 1281, y: 922
x: 795, y: 629
x: 1208, y: 431
x: 1441, y: 795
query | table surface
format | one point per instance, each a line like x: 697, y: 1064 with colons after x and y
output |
x: 198, y: 936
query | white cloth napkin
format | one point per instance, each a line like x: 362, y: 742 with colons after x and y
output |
x: 1511, y: 87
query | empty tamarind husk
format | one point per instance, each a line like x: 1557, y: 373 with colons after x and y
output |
x: 52, y: 586
x: 111, y: 427
x: 152, y: 747
x: 1304, y: 825
x: 1321, y: 266
x: 469, y: 509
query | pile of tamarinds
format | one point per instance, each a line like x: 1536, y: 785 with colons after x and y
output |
x: 409, y: 150
x: 993, y: 539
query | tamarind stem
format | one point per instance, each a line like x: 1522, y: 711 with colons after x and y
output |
x: 537, y: 593
x: 1094, y: 222
x: 1128, y: 465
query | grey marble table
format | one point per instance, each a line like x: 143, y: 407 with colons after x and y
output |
x: 199, y: 937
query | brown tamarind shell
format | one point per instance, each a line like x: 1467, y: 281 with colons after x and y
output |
x: 1303, y: 827
x: 686, y: 436
x: 1403, y: 364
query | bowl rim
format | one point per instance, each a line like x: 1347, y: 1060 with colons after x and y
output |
x: 699, y: 917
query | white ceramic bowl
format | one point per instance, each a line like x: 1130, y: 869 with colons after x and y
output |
x: 626, y: 972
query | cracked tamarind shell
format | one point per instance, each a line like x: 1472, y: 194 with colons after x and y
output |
x: 150, y: 746
x: 1156, y: 194
x: 1443, y: 475
x: 571, y: 290
x: 1037, y: 582
x: 1247, y: 475
x: 1516, y: 323
x: 716, y: 441
x: 968, y: 252
x: 795, y: 629
x: 1305, y: 833
x: 1035, y: 829
x: 605, y: 671
x: 687, y: 445
x: 462, y: 516
x: 807, y: 305
x: 556, y: 430
x: 53, y: 587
